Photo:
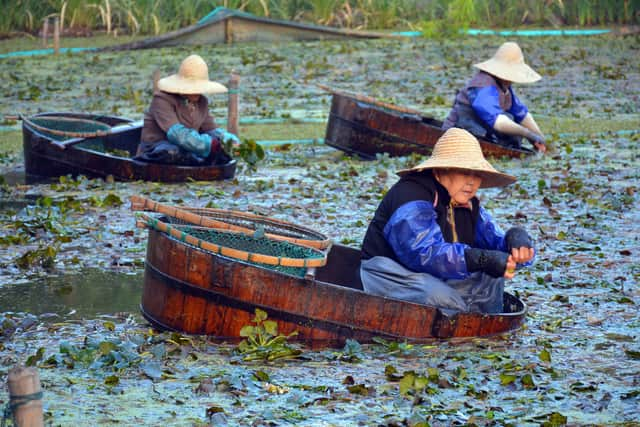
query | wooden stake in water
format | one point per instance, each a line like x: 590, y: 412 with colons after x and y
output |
x: 232, y: 114
x: 56, y: 35
x: 154, y: 78
x: 228, y: 31
x: 25, y: 396
x: 45, y: 32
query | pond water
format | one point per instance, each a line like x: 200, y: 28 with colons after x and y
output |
x: 84, y: 294
x: 78, y: 255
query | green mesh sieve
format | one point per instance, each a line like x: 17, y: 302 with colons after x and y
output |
x: 257, y: 245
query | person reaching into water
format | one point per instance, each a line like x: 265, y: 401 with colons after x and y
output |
x: 178, y: 128
x: 488, y: 106
x: 431, y: 242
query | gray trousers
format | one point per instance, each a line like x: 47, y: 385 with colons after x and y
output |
x: 479, y: 293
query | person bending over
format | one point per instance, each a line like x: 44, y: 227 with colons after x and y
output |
x: 178, y: 128
x: 430, y: 240
x: 488, y: 106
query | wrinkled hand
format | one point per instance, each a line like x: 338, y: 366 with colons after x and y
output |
x: 540, y: 147
x: 510, y: 270
x: 522, y: 254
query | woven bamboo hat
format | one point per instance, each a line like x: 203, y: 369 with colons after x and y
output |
x: 458, y: 149
x: 508, y: 64
x: 192, y: 79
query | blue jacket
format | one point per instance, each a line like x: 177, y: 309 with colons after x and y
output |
x: 412, y: 226
x: 485, y: 98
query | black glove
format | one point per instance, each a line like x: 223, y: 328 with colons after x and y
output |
x: 494, y: 263
x: 516, y: 238
x: 536, y: 138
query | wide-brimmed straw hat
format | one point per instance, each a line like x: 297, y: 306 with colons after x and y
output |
x: 459, y: 150
x: 508, y: 64
x: 192, y: 79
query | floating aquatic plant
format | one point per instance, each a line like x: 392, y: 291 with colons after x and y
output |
x: 262, y: 341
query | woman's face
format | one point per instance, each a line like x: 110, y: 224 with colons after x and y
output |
x: 504, y: 83
x: 461, y: 185
x: 192, y: 98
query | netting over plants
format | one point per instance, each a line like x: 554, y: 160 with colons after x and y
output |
x: 257, y: 245
x: 257, y: 249
x: 242, y: 222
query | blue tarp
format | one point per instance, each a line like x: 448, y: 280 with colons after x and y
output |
x: 45, y: 51
x: 522, y: 33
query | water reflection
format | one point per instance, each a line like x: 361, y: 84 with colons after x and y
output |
x: 13, y: 205
x: 14, y: 177
x: 17, y: 176
x: 84, y: 295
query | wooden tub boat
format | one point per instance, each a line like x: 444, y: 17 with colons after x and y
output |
x: 365, y: 127
x: 226, y: 26
x: 193, y: 291
x: 50, y: 153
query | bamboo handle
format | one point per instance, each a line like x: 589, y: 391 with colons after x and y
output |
x: 139, y: 203
x: 370, y: 100
x: 232, y: 113
x: 232, y: 252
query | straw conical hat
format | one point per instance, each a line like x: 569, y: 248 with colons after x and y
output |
x: 508, y: 64
x: 192, y: 79
x: 458, y: 149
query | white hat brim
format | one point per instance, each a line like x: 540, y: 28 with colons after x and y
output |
x: 517, y: 73
x: 179, y: 85
x: 490, y: 176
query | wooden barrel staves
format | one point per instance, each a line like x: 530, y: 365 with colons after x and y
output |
x: 25, y: 397
x: 57, y: 144
x: 363, y: 126
x: 192, y: 290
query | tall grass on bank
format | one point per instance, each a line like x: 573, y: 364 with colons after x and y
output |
x: 158, y: 16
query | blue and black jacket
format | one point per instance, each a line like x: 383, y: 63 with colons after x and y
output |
x: 482, y: 100
x: 417, y: 226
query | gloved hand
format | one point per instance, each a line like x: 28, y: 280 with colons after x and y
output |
x: 516, y: 238
x: 224, y: 136
x: 494, y: 263
x: 190, y: 140
x: 537, y: 140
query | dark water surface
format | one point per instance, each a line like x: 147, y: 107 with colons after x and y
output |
x: 87, y: 294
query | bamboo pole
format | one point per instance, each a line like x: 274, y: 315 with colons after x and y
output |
x: 45, y: 31
x: 232, y: 114
x: 25, y: 396
x: 56, y: 35
x: 154, y: 78
x: 228, y: 31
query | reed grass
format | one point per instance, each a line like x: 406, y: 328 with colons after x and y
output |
x: 157, y: 16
